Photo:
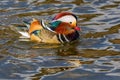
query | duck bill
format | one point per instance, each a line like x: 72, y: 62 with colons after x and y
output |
x: 77, y: 28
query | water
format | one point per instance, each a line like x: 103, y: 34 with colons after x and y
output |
x: 95, y: 57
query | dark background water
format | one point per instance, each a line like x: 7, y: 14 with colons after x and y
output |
x: 95, y: 57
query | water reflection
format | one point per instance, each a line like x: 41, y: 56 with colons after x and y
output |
x: 54, y: 70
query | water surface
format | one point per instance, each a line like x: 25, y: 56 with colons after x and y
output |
x: 95, y: 56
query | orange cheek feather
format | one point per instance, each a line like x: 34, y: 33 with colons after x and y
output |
x: 64, y: 28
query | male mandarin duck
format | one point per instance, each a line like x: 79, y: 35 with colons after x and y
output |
x: 63, y: 28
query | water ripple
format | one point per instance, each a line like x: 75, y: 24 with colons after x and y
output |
x: 95, y: 56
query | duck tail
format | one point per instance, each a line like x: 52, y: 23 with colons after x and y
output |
x: 22, y: 29
x: 27, y: 24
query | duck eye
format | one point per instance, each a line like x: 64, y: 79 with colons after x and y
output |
x: 70, y: 22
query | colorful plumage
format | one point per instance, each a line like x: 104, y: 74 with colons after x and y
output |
x: 63, y: 28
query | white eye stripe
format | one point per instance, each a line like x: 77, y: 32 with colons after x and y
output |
x: 67, y: 18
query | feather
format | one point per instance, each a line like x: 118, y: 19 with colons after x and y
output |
x: 63, y: 14
x: 24, y: 34
x: 73, y: 36
x: 27, y: 24
x: 46, y: 26
x: 64, y: 28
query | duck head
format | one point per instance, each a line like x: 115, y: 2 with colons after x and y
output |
x: 69, y: 18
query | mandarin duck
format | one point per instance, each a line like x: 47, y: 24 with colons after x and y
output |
x: 63, y: 28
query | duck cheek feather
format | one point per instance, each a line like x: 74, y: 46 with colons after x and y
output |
x: 64, y: 28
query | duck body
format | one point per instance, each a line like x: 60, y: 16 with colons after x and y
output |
x: 56, y: 31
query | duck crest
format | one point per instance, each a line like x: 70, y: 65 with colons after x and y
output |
x: 63, y: 14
